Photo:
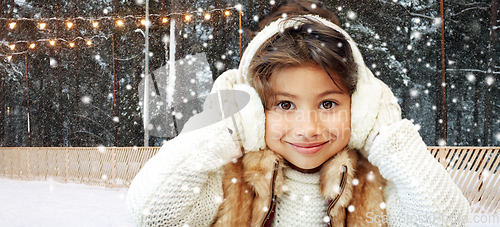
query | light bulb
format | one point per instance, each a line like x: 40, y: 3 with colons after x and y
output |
x: 207, y: 16
x: 227, y: 13
x: 188, y: 17
x: 52, y: 42
x: 12, y: 46
x: 89, y: 42
x: 69, y: 24
x: 12, y: 25
x: 95, y: 24
x: 42, y: 25
x: 32, y: 46
x: 71, y: 44
x: 119, y: 23
x: 164, y: 20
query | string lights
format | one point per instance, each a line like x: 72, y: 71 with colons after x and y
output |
x: 43, y: 24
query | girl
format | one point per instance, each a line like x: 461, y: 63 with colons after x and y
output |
x: 322, y: 144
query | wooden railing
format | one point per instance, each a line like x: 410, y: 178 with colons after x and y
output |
x: 474, y: 169
x: 476, y: 172
x: 102, y: 166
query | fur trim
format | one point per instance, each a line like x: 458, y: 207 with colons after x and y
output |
x: 259, y: 170
x: 331, y: 182
x: 235, y: 210
x: 247, y: 202
x: 368, y: 195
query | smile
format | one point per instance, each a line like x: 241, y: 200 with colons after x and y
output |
x: 308, y: 148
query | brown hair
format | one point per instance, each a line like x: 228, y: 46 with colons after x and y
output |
x: 311, y: 42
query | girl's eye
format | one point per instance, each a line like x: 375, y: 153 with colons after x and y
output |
x: 285, y: 105
x: 327, y: 105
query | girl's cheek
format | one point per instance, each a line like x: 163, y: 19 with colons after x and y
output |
x: 275, y: 125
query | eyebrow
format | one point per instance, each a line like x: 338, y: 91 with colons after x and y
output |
x: 320, y: 95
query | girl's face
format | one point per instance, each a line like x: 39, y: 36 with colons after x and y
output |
x: 310, y: 120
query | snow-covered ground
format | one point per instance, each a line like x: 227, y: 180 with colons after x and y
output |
x: 49, y: 203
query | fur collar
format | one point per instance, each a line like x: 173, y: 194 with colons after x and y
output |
x: 248, y: 185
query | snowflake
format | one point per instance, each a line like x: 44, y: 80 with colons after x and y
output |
x: 284, y: 188
x: 437, y: 21
x: 370, y: 176
x: 414, y: 93
x: 53, y: 62
x: 352, y: 15
x: 416, y: 35
x: 238, y: 7
x: 471, y: 77
x: 86, y: 99
x: 101, y: 148
x: 219, y: 65
x: 178, y: 116
x: 441, y: 142
x: 490, y: 80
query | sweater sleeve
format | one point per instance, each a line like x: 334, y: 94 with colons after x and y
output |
x: 419, y: 191
x: 182, y: 184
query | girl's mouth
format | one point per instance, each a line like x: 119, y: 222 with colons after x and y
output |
x: 308, y: 148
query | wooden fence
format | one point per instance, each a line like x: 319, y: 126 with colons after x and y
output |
x: 474, y: 169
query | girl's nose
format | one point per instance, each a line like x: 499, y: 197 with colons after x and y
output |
x: 308, y: 125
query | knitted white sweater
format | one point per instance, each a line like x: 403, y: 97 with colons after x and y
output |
x: 302, y: 204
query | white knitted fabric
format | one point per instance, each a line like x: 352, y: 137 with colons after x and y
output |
x: 419, y: 192
x: 302, y: 204
x: 182, y: 184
